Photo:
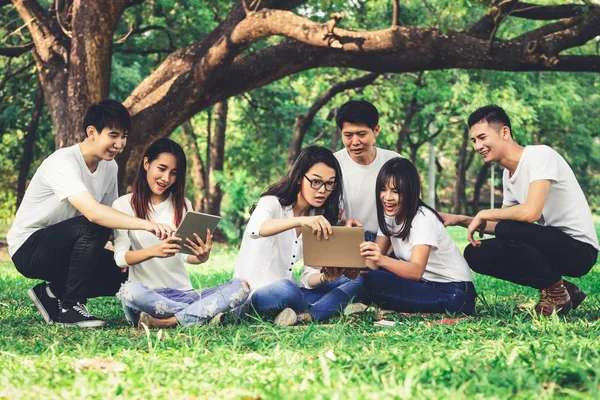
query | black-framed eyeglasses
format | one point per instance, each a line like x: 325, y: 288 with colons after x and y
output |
x: 317, y: 184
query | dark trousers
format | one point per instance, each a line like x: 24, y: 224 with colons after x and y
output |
x: 392, y: 292
x: 71, y: 257
x: 531, y: 255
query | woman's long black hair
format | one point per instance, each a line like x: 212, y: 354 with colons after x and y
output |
x: 405, y: 178
x: 140, y: 198
x: 288, y: 188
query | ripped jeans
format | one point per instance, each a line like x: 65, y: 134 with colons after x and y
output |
x: 189, y: 306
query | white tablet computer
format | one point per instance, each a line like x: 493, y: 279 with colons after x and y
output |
x: 342, y: 249
x: 196, y: 222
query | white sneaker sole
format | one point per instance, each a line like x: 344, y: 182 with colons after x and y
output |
x: 287, y: 317
x: 39, y: 306
x: 84, y: 324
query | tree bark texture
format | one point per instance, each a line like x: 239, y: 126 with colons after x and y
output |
x: 196, y: 168
x: 217, y: 155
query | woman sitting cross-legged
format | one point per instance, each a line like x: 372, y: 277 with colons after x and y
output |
x: 159, y: 286
x: 308, y: 196
x: 431, y: 275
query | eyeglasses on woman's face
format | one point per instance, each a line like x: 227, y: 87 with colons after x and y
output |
x: 317, y: 184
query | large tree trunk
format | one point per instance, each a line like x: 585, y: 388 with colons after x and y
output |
x: 303, y: 122
x: 217, y: 155
x: 196, y: 167
x: 28, y: 142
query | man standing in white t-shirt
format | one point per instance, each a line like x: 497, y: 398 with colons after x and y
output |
x: 539, y: 186
x: 360, y: 160
x: 65, y: 220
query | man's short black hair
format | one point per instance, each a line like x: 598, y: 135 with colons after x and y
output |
x: 492, y: 114
x: 107, y: 114
x: 357, y: 112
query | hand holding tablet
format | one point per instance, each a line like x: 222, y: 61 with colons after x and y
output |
x: 195, y: 231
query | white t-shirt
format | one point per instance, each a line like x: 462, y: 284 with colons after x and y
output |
x: 61, y: 175
x: 264, y: 260
x: 360, y: 198
x: 155, y: 273
x: 445, y: 263
x: 566, y: 207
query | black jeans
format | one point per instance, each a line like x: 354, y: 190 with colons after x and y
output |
x: 71, y: 257
x: 531, y: 255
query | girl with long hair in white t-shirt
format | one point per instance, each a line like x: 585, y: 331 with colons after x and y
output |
x: 159, y: 292
x: 310, y: 196
x: 430, y: 274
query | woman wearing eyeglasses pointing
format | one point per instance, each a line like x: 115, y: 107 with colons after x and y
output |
x: 310, y: 196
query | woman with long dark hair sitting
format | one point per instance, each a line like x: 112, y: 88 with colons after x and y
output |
x: 308, y: 196
x: 159, y: 292
x: 430, y: 275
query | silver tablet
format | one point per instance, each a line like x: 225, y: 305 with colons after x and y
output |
x: 196, y: 222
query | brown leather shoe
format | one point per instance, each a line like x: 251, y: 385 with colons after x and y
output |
x: 555, y: 297
x: 576, y: 294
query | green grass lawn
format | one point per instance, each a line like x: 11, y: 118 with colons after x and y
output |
x: 499, y: 353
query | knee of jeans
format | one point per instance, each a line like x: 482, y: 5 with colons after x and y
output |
x: 280, y: 290
x: 129, y: 291
x: 239, y: 294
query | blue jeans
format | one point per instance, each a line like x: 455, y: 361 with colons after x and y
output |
x: 188, y: 306
x: 321, y: 302
x: 392, y: 292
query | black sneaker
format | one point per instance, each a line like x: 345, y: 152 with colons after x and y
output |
x: 78, y: 315
x: 46, y: 305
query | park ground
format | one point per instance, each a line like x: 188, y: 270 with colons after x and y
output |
x: 502, y: 352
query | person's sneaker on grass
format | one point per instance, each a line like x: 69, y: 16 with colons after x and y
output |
x: 79, y: 315
x: 45, y: 301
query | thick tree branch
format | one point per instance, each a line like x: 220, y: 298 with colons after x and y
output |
x: 514, y: 8
x: 544, y: 13
x: 15, y: 51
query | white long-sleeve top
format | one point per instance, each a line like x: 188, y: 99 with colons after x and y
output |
x: 156, y: 273
x: 264, y: 260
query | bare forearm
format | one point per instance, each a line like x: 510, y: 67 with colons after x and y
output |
x: 108, y: 217
x: 315, y: 280
x: 134, y: 257
x: 404, y: 269
x: 465, y: 220
x: 520, y: 212
x: 274, y: 226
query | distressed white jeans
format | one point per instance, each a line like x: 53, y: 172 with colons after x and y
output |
x: 190, y: 307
